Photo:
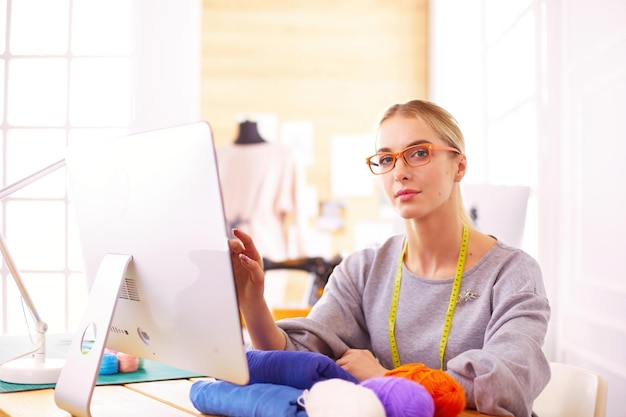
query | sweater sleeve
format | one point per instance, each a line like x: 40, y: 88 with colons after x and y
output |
x: 509, y: 372
x: 336, y: 322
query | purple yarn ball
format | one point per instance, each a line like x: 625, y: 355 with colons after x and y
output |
x: 402, y: 397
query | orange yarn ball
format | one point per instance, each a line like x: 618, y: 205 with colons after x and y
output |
x: 447, y: 393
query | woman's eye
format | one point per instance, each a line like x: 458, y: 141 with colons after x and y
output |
x: 386, y: 160
x: 422, y: 153
x: 419, y: 153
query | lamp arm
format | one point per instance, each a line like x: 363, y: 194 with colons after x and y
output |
x: 7, y: 191
x: 18, y: 280
x: 41, y: 327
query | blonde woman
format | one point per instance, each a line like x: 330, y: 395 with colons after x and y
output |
x: 442, y: 293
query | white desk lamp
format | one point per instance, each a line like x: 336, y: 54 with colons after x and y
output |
x: 31, y: 367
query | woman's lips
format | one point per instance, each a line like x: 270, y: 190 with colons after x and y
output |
x: 404, y: 195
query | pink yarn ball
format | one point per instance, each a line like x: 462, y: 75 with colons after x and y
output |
x: 127, y: 363
x: 401, y: 397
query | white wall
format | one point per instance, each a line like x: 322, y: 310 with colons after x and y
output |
x: 456, y: 72
x: 166, y: 59
x: 585, y: 108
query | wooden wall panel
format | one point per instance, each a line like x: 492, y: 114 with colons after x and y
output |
x: 337, y: 63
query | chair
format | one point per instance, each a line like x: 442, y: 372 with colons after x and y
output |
x: 319, y: 270
x: 572, y: 392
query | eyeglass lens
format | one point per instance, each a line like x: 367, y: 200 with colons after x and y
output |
x: 414, y: 156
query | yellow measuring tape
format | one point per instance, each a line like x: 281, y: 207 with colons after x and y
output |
x: 454, y: 296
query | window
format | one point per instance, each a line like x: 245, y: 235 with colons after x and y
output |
x: 65, y: 76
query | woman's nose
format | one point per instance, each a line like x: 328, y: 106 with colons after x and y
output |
x: 400, y: 169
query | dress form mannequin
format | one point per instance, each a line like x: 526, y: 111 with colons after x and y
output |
x: 259, y: 186
x: 248, y: 134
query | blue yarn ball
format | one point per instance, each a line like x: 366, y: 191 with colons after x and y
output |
x: 402, y: 397
x: 109, y: 364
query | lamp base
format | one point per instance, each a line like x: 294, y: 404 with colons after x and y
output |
x: 27, y: 371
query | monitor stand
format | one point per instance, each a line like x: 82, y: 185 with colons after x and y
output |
x: 78, y: 377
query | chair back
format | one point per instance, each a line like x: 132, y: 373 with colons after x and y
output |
x: 572, y: 392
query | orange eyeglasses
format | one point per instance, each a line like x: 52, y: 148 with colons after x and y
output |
x: 413, y: 156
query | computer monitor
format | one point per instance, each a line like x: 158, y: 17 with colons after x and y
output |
x: 498, y: 210
x: 153, y: 234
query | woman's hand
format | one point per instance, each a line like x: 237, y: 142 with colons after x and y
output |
x: 361, y: 363
x: 250, y: 282
x: 248, y: 269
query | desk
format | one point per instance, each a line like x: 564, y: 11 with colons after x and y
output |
x: 153, y: 399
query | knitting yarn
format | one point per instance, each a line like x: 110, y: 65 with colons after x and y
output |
x: 401, y: 397
x: 448, y: 395
x: 340, y: 398
x: 127, y: 363
x: 109, y: 364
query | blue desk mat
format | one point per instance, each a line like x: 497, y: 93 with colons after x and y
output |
x: 57, y: 346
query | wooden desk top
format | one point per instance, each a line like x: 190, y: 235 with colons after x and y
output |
x: 154, y: 399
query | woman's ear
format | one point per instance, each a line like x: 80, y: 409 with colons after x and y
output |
x: 461, y: 164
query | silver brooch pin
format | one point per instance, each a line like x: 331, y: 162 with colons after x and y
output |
x: 467, y: 295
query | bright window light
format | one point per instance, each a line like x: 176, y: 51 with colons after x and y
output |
x: 37, y: 92
x: 92, y: 23
x: 47, y: 291
x: 36, y: 233
x: 50, y: 148
x: 99, y: 92
x: 39, y: 27
x: 3, y: 25
x: 64, y: 77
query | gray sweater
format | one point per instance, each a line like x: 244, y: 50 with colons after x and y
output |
x: 495, y: 344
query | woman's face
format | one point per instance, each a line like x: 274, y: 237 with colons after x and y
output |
x: 417, y: 192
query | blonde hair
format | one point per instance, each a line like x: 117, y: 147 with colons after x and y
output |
x: 443, y: 124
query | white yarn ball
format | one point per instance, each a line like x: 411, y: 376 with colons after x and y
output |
x: 341, y: 398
